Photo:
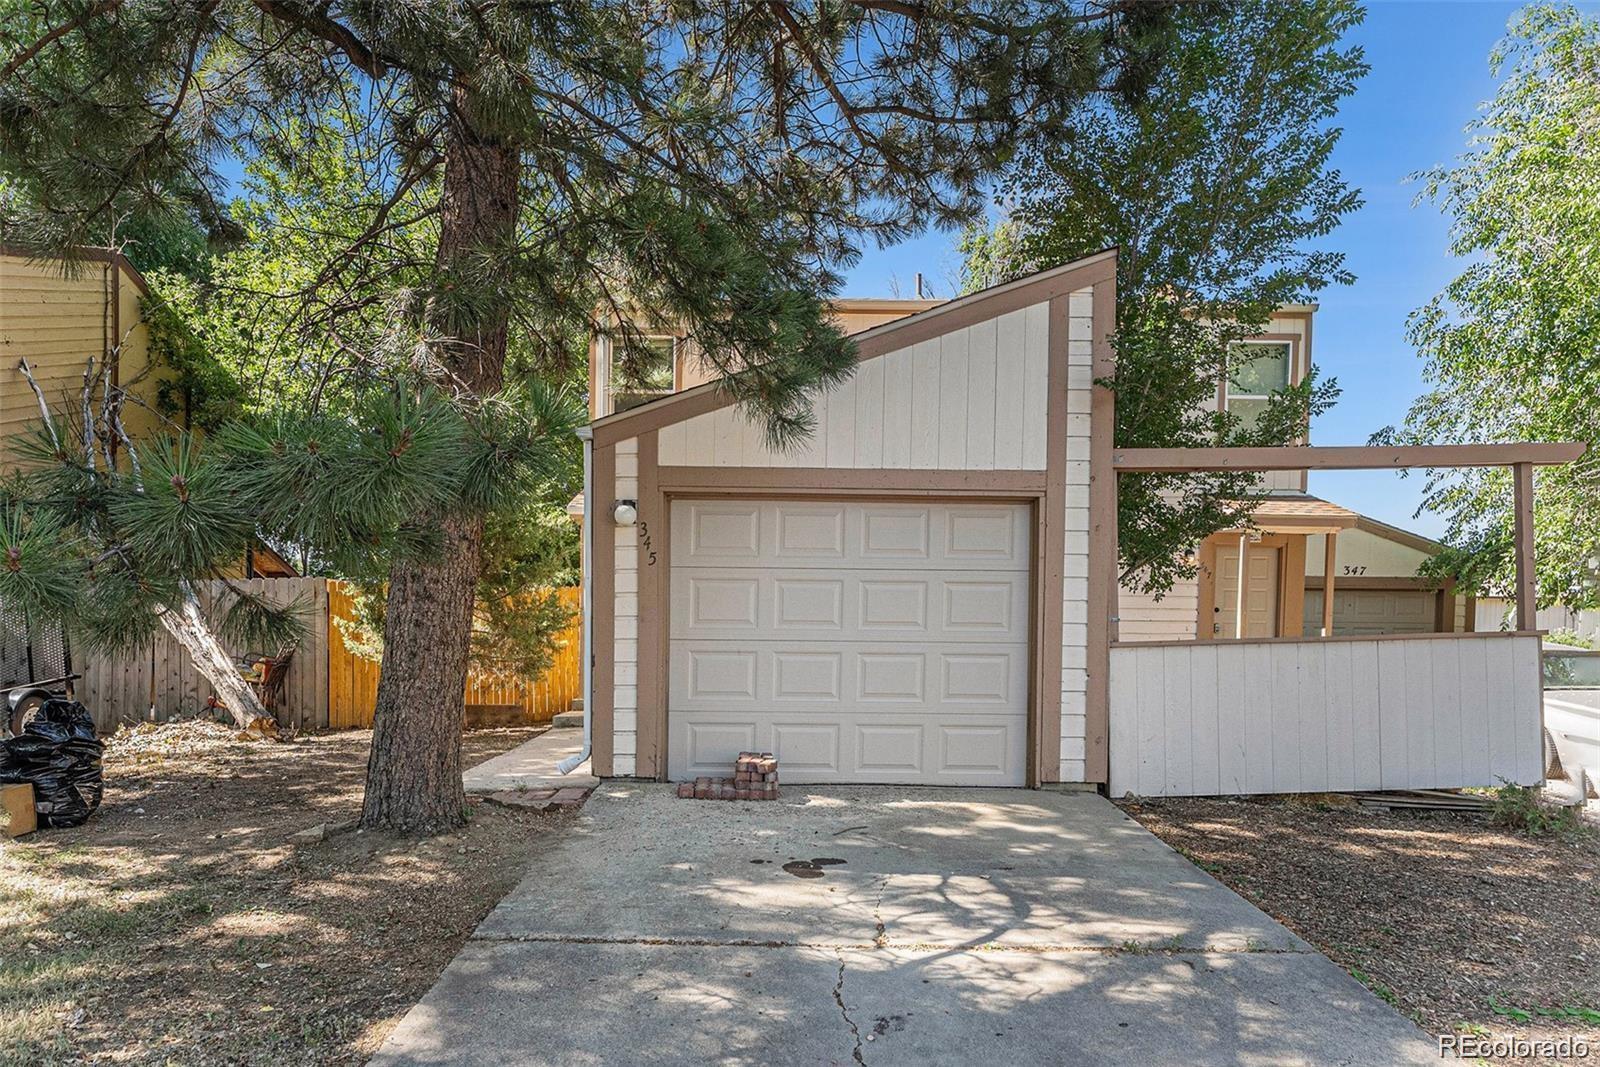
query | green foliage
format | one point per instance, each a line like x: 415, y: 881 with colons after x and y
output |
x: 102, y: 548
x: 180, y: 513
x: 199, y: 388
x: 38, y: 568
x: 1216, y: 189
x: 1510, y: 342
x: 1570, y: 638
x: 1522, y: 809
x: 715, y: 164
x: 530, y: 547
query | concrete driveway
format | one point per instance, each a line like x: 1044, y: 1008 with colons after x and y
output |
x: 884, y: 926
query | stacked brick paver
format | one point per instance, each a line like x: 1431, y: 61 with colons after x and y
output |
x: 755, y: 777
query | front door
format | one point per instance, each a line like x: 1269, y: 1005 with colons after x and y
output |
x: 1260, y: 597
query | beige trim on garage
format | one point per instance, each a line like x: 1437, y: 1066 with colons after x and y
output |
x: 672, y: 483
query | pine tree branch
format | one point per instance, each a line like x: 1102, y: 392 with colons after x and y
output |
x: 88, y: 411
x: 21, y: 59
x: 335, y: 33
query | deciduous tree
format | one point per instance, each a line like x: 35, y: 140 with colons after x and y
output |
x: 1217, y: 190
x: 1511, y: 342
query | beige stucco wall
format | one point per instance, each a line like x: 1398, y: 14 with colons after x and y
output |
x: 1377, y: 557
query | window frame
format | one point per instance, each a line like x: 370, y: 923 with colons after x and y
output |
x: 1225, y: 391
x: 610, y: 386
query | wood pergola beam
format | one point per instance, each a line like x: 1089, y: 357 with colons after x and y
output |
x: 1343, y: 457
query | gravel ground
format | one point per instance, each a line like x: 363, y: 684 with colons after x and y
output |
x: 185, y: 923
x: 1465, y: 927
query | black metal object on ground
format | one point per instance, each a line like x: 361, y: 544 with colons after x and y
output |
x: 35, y: 667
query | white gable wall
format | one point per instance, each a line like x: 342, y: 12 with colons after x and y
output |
x: 972, y: 399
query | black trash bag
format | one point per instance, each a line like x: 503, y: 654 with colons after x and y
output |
x: 59, y: 755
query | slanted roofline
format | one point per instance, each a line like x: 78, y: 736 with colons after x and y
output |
x: 81, y: 252
x: 1399, y: 535
x: 942, y: 318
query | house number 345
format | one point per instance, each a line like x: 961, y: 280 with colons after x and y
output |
x: 644, y: 539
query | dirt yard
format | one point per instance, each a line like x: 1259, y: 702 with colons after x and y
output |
x: 1464, y: 927
x: 186, y: 924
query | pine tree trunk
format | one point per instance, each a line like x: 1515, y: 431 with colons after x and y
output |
x: 187, y: 624
x: 414, y: 770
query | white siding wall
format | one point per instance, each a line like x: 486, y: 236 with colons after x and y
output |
x: 1141, y: 617
x: 1074, y: 614
x: 1226, y: 717
x: 625, y: 695
x: 972, y: 399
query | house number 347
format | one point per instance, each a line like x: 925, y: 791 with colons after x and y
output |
x: 644, y: 539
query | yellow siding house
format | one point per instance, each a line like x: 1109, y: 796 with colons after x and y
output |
x: 58, y: 320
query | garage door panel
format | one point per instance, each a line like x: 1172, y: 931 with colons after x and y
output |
x: 807, y: 677
x: 870, y: 678
x: 1368, y: 612
x: 873, y: 605
x: 721, y: 530
x: 807, y: 747
x: 715, y: 674
x: 937, y: 750
x: 850, y: 536
x: 807, y: 604
x: 809, y: 532
x: 723, y: 602
x: 865, y: 642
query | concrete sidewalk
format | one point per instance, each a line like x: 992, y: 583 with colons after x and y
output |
x: 532, y: 765
x: 884, y: 926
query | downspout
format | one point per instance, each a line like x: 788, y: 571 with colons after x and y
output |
x: 586, y: 629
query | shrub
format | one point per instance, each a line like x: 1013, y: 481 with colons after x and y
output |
x: 1521, y: 809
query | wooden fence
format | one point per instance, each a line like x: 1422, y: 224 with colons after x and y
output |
x: 327, y: 685
x: 353, y: 681
x: 158, y: 681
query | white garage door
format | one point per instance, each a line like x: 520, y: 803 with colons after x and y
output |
x: 856, y: 642
x: 1374, y: 611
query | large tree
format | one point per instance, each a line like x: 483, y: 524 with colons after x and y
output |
x: 712, y: 162
x: 1216, y: 188
x: 1512, y: 343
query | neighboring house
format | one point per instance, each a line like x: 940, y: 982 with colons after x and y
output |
x: 921, y: 592
x: 58, y: 321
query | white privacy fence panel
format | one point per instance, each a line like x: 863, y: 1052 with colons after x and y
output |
x: 1325, y: 715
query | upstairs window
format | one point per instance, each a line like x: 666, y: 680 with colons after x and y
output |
x: 654, y: 379
x: 1260, y: 369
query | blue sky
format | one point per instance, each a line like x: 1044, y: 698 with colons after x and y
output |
x: 1429, y: 73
